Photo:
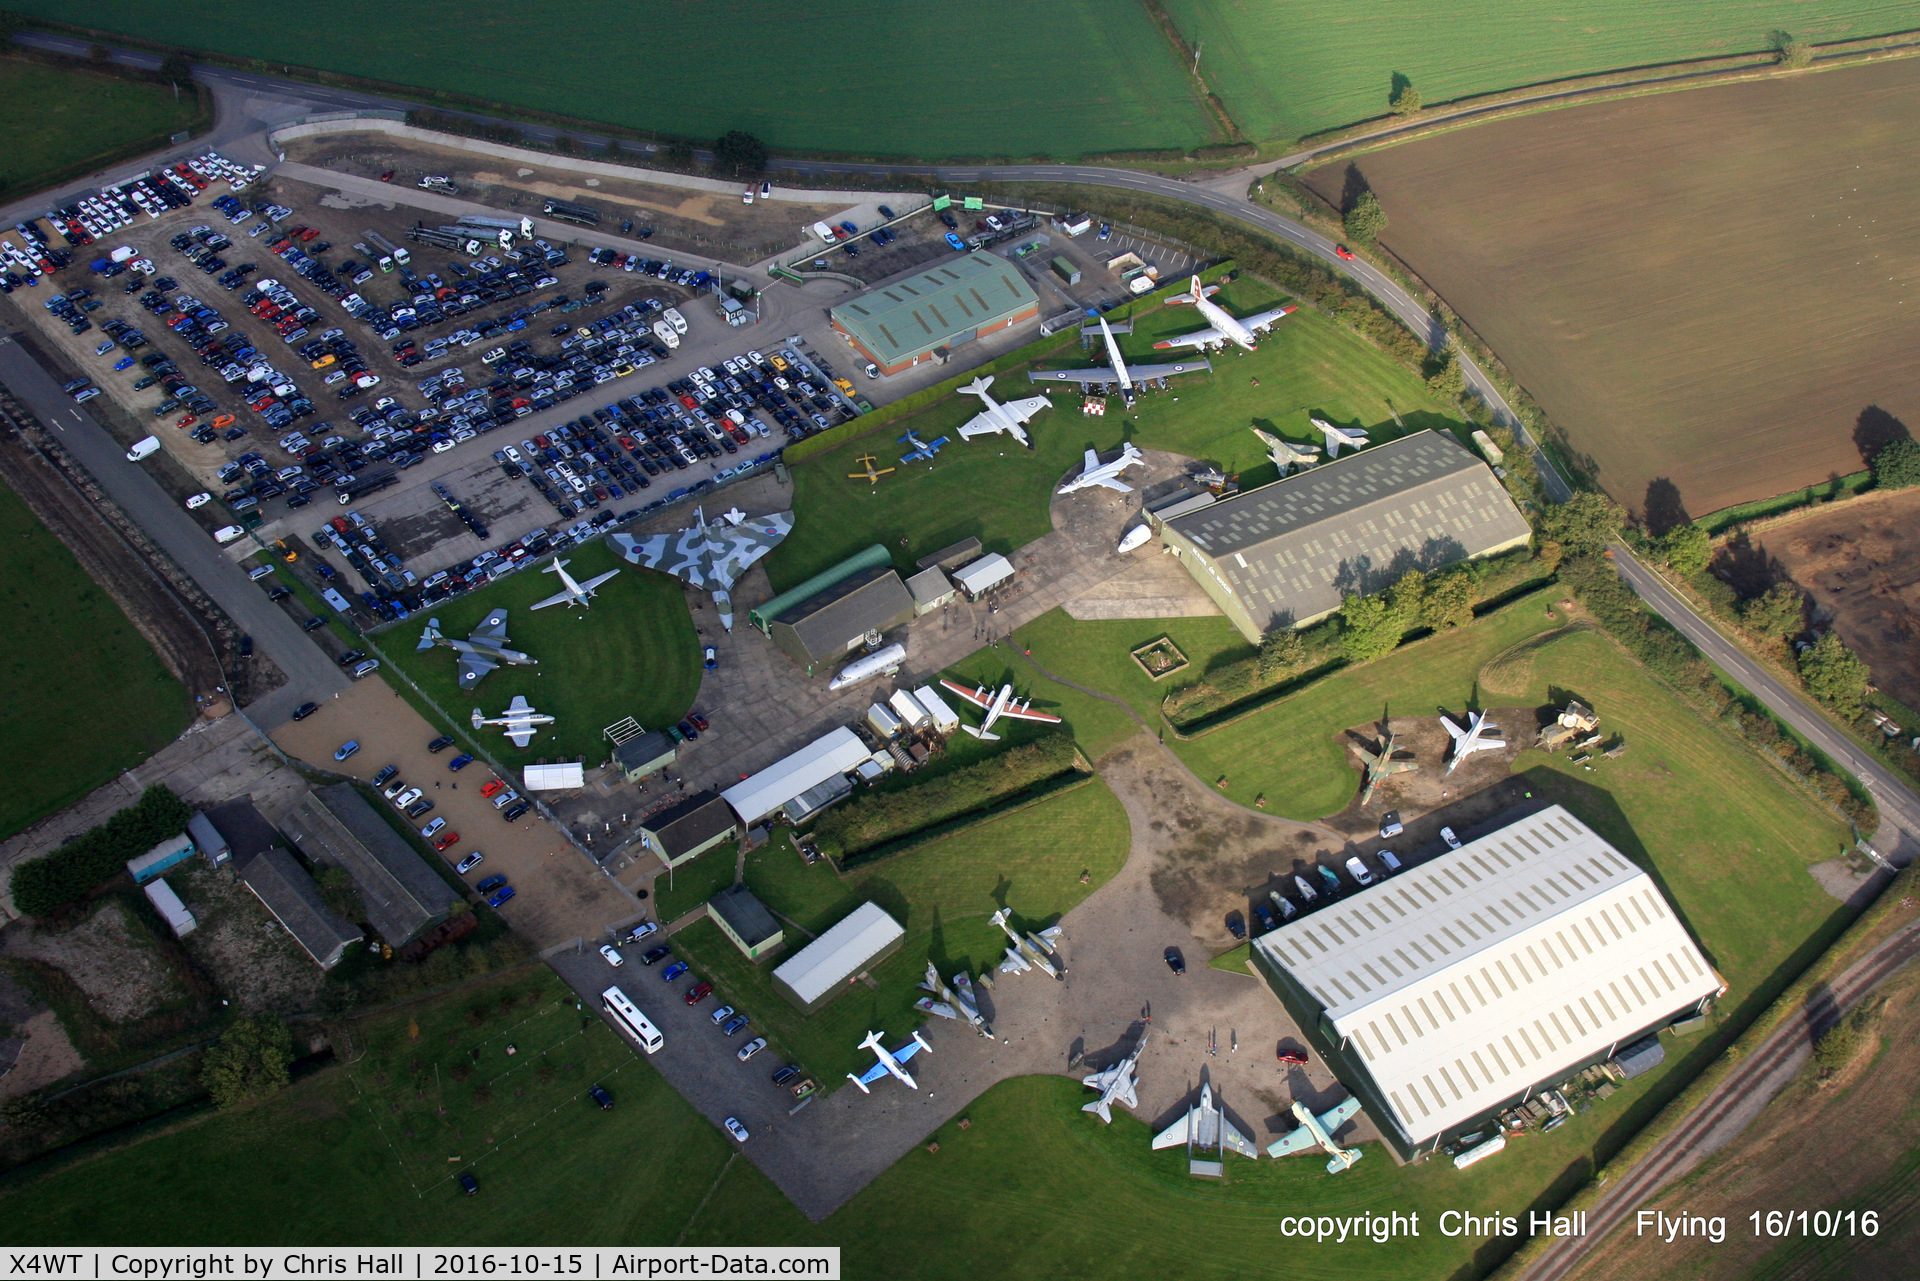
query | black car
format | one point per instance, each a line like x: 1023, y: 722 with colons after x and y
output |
x: 601, y: 1097
x: 441, y: 744
x: 313, y: 624
x: 246, y: 647
x: 351, y: 657
x: 660, y: 953
x: 305, y: 710
x: 469, y: 1184
x: 1236, y: 925
x: 1175, y: 962
x: 517, y: 810
x: 786, y: 1074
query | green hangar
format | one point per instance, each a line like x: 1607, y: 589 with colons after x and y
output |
x: 899, y: 325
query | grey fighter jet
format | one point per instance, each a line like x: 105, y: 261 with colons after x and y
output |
x: 481, y: 652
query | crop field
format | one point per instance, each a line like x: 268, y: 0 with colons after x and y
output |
x: 97, y: 697
x: 1286, y: 70
x: 58, y: 118
x: 994, y: 490
x: 870, y: 77
x: 633, y: 652
x: 1705, y: 290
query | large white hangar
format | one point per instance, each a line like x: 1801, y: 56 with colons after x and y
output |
x: 1448, y: 992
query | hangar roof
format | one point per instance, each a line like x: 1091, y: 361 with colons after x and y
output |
x: 958, y: 295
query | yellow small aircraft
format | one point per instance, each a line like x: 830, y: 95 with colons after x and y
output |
x: 871, y: 476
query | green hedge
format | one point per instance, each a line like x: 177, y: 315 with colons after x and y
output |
x: 879, y: 817
x: 44, y: 885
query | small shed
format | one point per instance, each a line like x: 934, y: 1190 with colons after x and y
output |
x: 168, y: 904
x: 169, y: 853
x: 1642, y: 1056
x: 206, y: 838
x: 1066, y: 271
x: 553, y: 778
x: 983, y: 575
x: 943, y: 716
x: 884, y: 722
x: 930, y: 589
x: 908, y: 708
x: 952, y: 556
x: 645, y: 754
x: 746, y: 920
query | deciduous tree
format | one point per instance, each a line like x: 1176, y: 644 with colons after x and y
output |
x: 250, y: 1061
x: 1896, y: 464
x: 1449, y: 600
x: 1584, y: 524
x: 1404, y: 100
x: 1369, y: 627
x: 1790, y: 50
x: 740, y: 153
x: 1366, y: 220
x: 1281, y: 653
x: 1778, y: 611
x: 1688, y: 548
x: 1835, y: 675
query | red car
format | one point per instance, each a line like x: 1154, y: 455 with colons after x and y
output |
x: 1341, y: 251
x: 1292, y: 1056
x: 446, y: 839
x: 492, y: 788
x: 699, y: 992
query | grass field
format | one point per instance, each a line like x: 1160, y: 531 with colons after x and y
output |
x: 1288, y: 70
x: 95, y: 694
x: 1029, y: 860
x: 58, y: 118
x: 864, y: 76
x: 1706, y: 290
x: 633, y: 652
x: 994, y: 490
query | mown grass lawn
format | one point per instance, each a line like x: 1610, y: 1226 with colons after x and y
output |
x: 992, y: 489
x: 1029, y: 860
x: 633, y: 652
x: 59, y: 117
x: 86, y: 695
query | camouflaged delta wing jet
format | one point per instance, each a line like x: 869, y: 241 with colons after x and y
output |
x: 710, y: 556
x: 481, y: 652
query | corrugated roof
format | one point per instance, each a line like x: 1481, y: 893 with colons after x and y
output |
x: 840, y: 953
x: 911, y: 317
x: 401, y: 893
x: 690, y: 824
x: 834, y: 753
x: 745, y: 915
x: 1495, y: 967
x: 872, y: 600
x: 1293, y: 549
x: 988, y: 571
x: 929, y: 585
x: 290, y: 894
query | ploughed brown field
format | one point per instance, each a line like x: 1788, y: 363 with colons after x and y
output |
x: 1707, y: 290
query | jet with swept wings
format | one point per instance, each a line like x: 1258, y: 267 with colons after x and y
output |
x: 1116, y: 1084
x: 1205, y: 1128
x: 1338, y: 436
x: 1480, y: 735
x: 484, y: 649
x: 1285, y: 454
x: 710, y: 555
x: 1105, y: 475
x: 1381, y: 765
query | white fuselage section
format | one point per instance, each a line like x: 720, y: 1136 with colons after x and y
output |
x: 1114, y: 358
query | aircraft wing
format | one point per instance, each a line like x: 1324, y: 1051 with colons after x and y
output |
x: 592, y: 583
x: 1104, y: 374
x: 1333, y: 1118
x: 651, y: 551
x: 1175, y: 1134
x: 520, y: 737
x: 560, y: 599
x: 1453, y: 730
x: 1266, y: 318
x: 732, y: 552
x: 1021, y: 410
x: 1023, y: 715
x: 906, y: 1051
x: 1015, y: 963
x: 977, y: 699
x: 988, y: 421
x: 519, y: 704
x: 1234, y: 1141
x: 493, y: 627
x: 1114, y: 483
x: 873, y: 1074
x: 1198, y: 338
x: 1299, y: 1139
x: 473, y: 667
x: 1138, y: 372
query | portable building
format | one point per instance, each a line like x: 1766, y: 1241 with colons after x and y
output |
x: 908, y: 708
x: 822, y: 970
x: 168, y: 904
x: 553, y: 778
x: 171, y: 852
x: 943, y: 716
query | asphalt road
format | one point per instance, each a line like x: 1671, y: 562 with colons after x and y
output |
x: 310, y: 673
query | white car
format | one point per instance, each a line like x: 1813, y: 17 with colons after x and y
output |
x: 468, y: 863
x: 199, y: 500
x: 1446, y: 834
x: 613, y: 957
x: 442, y: 446
x: 1358, y: 871
x: 406, y: 798
x: 737, y: 1130
x: 751, y: 1048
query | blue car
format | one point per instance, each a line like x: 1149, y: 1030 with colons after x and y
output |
x: 125, y: 362
x: 460, y: 762
x: 500, y: 896
x: 674, y: 971
x: 959, y: 245
x: 347, y: 749
x: 734, y: 1024
x: 491, y: 883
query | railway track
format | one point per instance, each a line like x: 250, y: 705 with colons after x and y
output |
x: 1732, y: 1104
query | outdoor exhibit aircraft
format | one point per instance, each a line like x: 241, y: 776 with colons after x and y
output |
x: 1206, y: 1128
x: 1284, y: 453
x: 1030, y: 951
x: 570, y: 593
x: 996, y: 706
x: 518, y: 721
x: 871, y: 475
x: 882, y: 662
x: 1381, y: 765
x: 1320, y: 1129
x: 890, y: 1063
x: 921, y: 449
x: 1338, y: 436
x: 1480, y: 735
x: 710, y: 556
x: 1105, y: 475
x: 1116, y: 370
x: 484, y: 649
x: 1221, y: 328
x: 1008, y: 418
x: 1116, y: 1084
x: 955, y: 1002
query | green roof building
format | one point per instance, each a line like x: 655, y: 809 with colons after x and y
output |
x: 899, y: 325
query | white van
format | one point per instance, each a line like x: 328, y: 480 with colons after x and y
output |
x: 227, y: 533
x: 144, y: 448
x: 673, y: 317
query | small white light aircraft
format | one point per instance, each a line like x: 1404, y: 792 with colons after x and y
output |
x: 1338, y: 436
x: 1285, y: 454
x: 571, y: 593
x: 1031, y: 951
x: 890, y: 1063
x: 518, y: 721
x: 1480, y: 735
x: 1116, y: 370
x: 482, y: 651
x: 1221, y: 328
x: 1116, y: 1084
x: 1106, y: 475
x: 996, y: 706
x: 1008, y: 418
x: 1320, y: 1129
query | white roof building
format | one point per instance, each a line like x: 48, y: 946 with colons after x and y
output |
x: 944, y: 719
x: 551, y: 778
x: 833, y: 754
x: 168, y: 904
x: 1491, y: 970
x: 988, y: 571
x: 818, y: 971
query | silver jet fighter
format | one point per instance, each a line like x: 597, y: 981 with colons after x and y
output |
x: 484, y: 649
x: 519, y: 722
x: 710, y: 556
x: 1116, y: 1084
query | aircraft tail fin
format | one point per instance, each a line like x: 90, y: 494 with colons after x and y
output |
x: 1196, y: 290
x: 1099, y: 1108
x: 986, y: 736
x: 429, y: 637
